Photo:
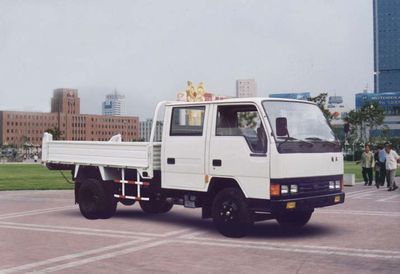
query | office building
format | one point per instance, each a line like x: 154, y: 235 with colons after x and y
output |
x: 246, y: 88
x: 114, y: 105
x: 19, y: 127
x: 145, y: 130
x: 386, y: 45
x: 65, y: 101
x: 390, y: 102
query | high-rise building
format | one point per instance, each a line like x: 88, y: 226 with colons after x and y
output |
x: 65, y: 100
x: 386, y: 45
x: 246, y: 88
x: 19, y: 128
x: 292, y: 95
x: 114, y: 104
x: 145, y: 130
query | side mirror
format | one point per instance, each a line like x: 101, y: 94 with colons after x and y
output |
x: 281, y: 127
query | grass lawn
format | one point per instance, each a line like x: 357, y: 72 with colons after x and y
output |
x: 31, y: 176
x: 352, y: 167
x: 34, y: 176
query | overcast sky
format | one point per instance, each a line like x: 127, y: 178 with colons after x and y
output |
x: 147, y: 50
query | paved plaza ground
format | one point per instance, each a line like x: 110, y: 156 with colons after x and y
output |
x: 43, y: 231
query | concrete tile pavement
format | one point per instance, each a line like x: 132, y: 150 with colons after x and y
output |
x: 42, y: 231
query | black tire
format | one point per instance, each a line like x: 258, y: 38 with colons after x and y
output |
x: 96, y: 199
x: 230, y: 213
x: 127, y: 202
x: 294, y: 220
x: 156, y: 205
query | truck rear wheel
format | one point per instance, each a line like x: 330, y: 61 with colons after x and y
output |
x: 127, y: 202
x: 156, y: 205
x: 294, y: 220
x: 230, y: 213
x: 96, y: 199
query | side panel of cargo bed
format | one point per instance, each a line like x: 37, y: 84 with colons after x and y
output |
x: 112, y: 154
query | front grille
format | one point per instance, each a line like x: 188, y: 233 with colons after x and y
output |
x: 308, y: 186
x: 313, y: 187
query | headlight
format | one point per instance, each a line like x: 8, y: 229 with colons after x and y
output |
x: 284, y: 189
x: 331, y: 185
x: 337, y: 184
x: 293, y: 189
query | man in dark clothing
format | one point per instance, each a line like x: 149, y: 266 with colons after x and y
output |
x: 377, y: 167
x: 382, y: 165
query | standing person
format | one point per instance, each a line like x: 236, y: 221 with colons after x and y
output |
x: 367, y: 163
x: 392, y: 158
x: 377, y: 166
x: 382, y: 166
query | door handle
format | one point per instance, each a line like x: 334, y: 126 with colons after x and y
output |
x: 217, y: 162
x: 171, y: 161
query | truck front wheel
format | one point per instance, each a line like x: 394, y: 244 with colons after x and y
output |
x: 96, y: 199
x: 230, y: 213
x: 294, y: 220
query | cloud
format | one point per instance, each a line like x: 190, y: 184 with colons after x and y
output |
x: 148, y: 49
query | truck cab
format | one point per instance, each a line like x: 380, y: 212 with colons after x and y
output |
x: 240, y: 160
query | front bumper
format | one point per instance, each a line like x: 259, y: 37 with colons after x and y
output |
x: 292, y: 203
x: 308, y: 203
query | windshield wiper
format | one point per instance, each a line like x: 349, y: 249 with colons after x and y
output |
x: 319, y: 139
x: 295, y: 139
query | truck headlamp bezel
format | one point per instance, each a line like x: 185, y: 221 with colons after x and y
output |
x: 284, y: 189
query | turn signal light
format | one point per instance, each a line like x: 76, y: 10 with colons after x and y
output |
x: 275, y: 190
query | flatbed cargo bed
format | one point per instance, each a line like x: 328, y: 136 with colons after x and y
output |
x: 114, y: 153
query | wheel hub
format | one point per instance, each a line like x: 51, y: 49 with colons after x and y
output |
x: 228, y: 212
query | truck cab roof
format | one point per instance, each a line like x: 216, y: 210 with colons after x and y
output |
x: 258, y: 100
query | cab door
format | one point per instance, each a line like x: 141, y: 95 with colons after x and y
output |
x: 184, y: 147
x: 239, y: 148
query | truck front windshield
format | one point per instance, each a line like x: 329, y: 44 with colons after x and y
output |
x: 306, y: 126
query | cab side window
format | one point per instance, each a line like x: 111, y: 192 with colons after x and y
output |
x: 242, y: 120
x: 187, y: 121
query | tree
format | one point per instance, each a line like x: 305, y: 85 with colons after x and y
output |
x: 320, y: 100
x: 373, y: 115
x: 55, y: 132
x: 354, y: 119
x: 247, y: 119
x: 369, y: 117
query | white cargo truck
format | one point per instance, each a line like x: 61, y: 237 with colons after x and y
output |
x: 240, y: 160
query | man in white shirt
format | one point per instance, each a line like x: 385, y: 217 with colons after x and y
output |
x: 392, y: 158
